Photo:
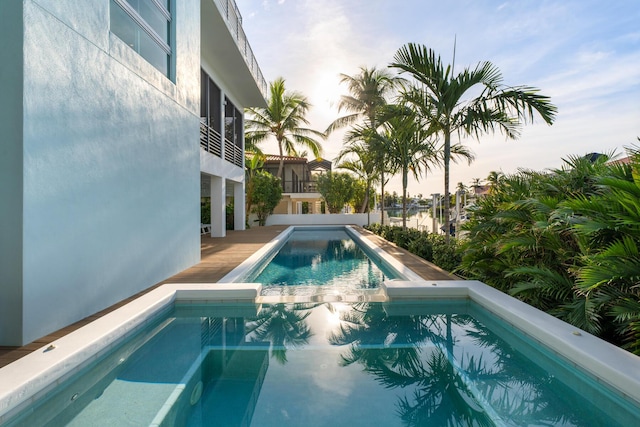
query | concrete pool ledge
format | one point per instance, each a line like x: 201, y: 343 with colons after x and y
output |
x: 609, y: 364
x: 32, y: 376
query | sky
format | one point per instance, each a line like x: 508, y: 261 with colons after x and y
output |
x: 584, y: 54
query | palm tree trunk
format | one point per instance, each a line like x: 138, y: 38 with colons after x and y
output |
x: 405, y: 172
x: 447, y: 204
x: 281, y: 165
x: 382, y: 201
x: 366, y: 201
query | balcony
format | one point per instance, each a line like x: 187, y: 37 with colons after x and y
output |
x: 300, y: 187
x: 231, y: 14
x: 211, y: 142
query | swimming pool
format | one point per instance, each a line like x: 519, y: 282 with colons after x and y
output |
x: 445, y: 362
x: 319, y: 260
x: 323, y: 260
x: 39, y: 374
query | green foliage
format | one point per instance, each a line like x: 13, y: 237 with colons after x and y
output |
x: 205, y: 210
x: 430, y: 247
x: 229, y: 219
x: 566, y: 241
x: 444, y: 100
x: 267, y: 192
x: 359, y: 195
x: 337, y: 189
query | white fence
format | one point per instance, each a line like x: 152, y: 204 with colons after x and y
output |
x: 320, y: 219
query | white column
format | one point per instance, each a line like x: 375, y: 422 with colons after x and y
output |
x: 289, y: 207
x: 218, y: 196
x: 239, y: 219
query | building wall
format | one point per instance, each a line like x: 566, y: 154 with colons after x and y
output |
x: 111, y: 164
x: 11, y: 43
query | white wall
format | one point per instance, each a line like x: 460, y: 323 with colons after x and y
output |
x: 320, y: 219
x: 111, y: 164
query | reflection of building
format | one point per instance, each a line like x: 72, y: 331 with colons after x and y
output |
x: 112, y: 113
x: 234, y: 371
x: 187, y: 370
x: 300, y: 192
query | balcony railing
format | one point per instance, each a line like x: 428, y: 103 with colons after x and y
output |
x: 233, y: 153
x: 300, y: 187
x: 210, y: 139
x: 211, y: 142
x: 231, y: 14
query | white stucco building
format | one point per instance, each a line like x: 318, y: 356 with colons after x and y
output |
x: 113, y: 115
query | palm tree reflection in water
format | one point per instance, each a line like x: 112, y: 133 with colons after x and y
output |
x: 284, y: 325
x: 451, y: 385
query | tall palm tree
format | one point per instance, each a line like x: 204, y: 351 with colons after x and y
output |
x: 439, y: 97
x: 283, y: 119
x: 369, y: 91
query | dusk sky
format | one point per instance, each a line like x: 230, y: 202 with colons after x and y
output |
x: 584, y: 54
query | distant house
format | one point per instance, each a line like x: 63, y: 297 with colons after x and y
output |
x: 115, y: 117
x: 481, y: 190
x: 299, y: 187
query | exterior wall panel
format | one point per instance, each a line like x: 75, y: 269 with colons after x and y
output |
x: 111, y: 166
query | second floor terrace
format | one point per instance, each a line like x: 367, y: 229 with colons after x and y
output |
x: 298, y: 175
x: 225, y: 43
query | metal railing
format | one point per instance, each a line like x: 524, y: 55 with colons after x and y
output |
x: 233, y: 153
x: 210, y: 139
x: 231, y: 14
x: 300, y: 187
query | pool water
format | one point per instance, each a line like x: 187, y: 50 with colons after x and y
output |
x: 319, y: 261
x: 432, y: 363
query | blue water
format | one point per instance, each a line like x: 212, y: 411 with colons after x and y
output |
x: 438, y: 363
x: 321, y: 261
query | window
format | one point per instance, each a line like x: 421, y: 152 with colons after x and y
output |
x: 145, y: 25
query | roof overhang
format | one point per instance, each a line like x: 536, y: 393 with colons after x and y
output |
x: 219, y: 48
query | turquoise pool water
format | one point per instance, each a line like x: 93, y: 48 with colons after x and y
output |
x: 434, y: 363
x: 321, y: 260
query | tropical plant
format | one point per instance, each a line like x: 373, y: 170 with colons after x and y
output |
x: 369, y: 91
x: 267, y: 193
x: 408, y: 148
x: 363, y: 166
x: 439, y: 97
x: 253, y: 163
x: 362, y: 197
x: 283, y: 119
x: 566, y: 241
x: 336, y: 190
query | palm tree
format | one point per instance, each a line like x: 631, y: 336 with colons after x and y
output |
x: 439, y: 98
x: 475, y: 184
x: 368, y: 94
x: 363, y: 166
x: 409, y: 148
x: 493, y: 179
x: 283, y: 119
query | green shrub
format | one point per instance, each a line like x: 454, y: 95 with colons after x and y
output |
x: 422, y: 247
x: 445, y: 255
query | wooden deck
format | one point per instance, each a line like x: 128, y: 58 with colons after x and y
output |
x: 218, y: 257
